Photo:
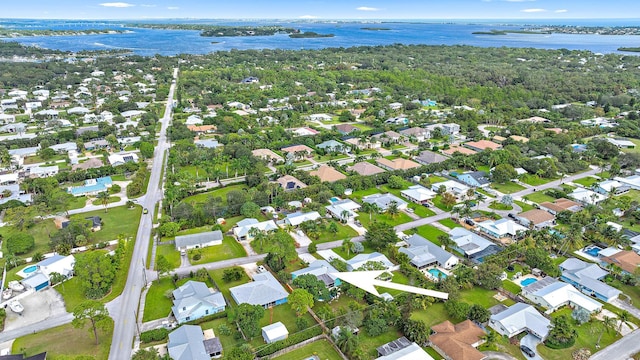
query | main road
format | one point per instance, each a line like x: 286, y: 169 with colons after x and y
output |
x: 125, y: 313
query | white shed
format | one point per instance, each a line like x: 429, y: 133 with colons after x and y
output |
x: 274, y: 332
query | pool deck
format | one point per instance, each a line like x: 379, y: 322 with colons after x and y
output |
x: 519, y: 280
x: 585, y: 255
x: 24, y: 274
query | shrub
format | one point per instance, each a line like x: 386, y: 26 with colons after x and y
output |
x: 20, y: 243
x: 154, y: 335
x: 197, y: 256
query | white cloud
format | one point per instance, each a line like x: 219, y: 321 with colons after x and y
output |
x: 308, y: 17
x: 534, y: 10
x: 559, y: 11
x: 173, y: 8
x: 367, y: 8
x: 117, y: 4
x: 148, y: 5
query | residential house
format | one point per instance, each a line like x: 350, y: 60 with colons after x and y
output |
x: 472, y: 245
x: 387, y: 137
x: 458, y: 149
x: 587, y: 278
x: 552, y: 294
x: 194, y: 120
x: 503, y: 228
x: 187, y: 343
x: 632, y: 181
x: 207, y: 143
x: 200, y: 240
x: 343, y: 210
x: 41, y: 278
x: 418, y: 133
x: 298, y: 218
x: 482, y: 145
x: 91, y: 187
x: 64, y: 147
x: 298, y: 150
x: 423, y: 253
x: 288, y: 182
x: 7, y: 118
x: 305, y: 131
x: 621, y: 143
x: 122, y: 158
x: 267, y: 155
x: 13, y: 192
x: 40, y: 356
x: 9, y: 178
x: 274, y: 332
x: 194, y: 300
x: 370, y: 144
x: 453, y: 187
x: 243, y: 232
x: 518, y: 138
x: 536, y: 218
x: 519, y: 318
x: 587, y: 197
x: 13, y: 128
x: 383, y: 201
x: 320, y: 117
x: 42, y: 171
x: 330, y: 146
x: 202, y: 129
x: 396, y: 164
x: 92, y: 163
x: 560, y: 205
x: 402, y: 349
x: 366, y: 169
x: 327, y: 174
x: 322, y: 270
x: 474, y: 178
x: 418, y: 194
x: 264, y: 290
x: 96, y: 144
x: 457, y: 342
x: 611, y: 187
x: 626, y: 260
x: 395, y: 106
x: 361, y: 260
x: 345, y: 129
x: 535, y: 120
x: 450, y: 129
x: 429, y: 157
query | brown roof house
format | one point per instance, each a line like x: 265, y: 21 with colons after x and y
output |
x: 457, y: 342
x: 458, y: 149
x: 625, y: 260
x: 345, y: 129
x: 327, y: 174
x: 267, y: 155
x: 366, y: 169
x: 559, y: 205
x: 289, y: 182
x: 296, y: 152
x: 482, y: 145
x: 536, y: 218
x: 397, y: 164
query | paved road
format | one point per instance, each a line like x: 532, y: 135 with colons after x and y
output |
x: 125, y: 317
x: 493, y: 355
x: 624, y: 348
x: 34, y: 328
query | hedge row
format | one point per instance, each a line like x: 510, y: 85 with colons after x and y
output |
x: 204, y: 319
x: 291, y: 340
x: 154, y: 335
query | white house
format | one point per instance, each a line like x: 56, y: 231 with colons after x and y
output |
x: 418, y: 194
x: 343, y: 210
x: 298, y: 218
x: 195, y: 241
x: 552, y: 294
x: 384, y: 200
x: 320, y: 117
x: 243, y: 229
x: 361, y: 259
x: 501, y: 228
x: 453, y: 187
x: 520, y: 318
x: 122, y: 158
x: 587, y: 197
x: 274, y: 332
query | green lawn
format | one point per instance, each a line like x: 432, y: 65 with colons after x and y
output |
x: 157, y: 305
x: 112, y: 199
x: 480, y: 296
x: 437, y: 201
x: 223, y: 286
x: 540, y: 197
x: 116, y: 221
x: 370, y: 343
x: 348, y: 255
x: 77, y: 202
x: 534, y: 180
x: 400, y: 218
x: 436, y: 179
x: 511, y: 287
x: 420, y: 210
x: 604, y: 175
x: 222, y: 192
x: 63, y: 342
x: 430, y: 233
x: 496, y: 205
x: 40, y: 232
x: 507, y: 188
x: 284, y: 314
x: 449, y: 223
x: 433, y: 315
x: 71, y: 293
x: 170, y: 253
x: 228, y: 341
x: 523, y: 205
x: 633, y: 194
x: 229, y: 249
x: 344, y: 232
x: 322, y: 349
x: 358, y: 195
x: 586, y: 181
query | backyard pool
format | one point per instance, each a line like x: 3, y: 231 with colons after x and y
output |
x: 528, y: 281
x: 30, y: 269
x: 334, y: 199
x: 593, y: 250
x: 437, y: 274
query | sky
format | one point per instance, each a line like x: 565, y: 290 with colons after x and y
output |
x: 322, y: 9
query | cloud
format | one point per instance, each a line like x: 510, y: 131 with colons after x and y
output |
x: 308, y: 17
x: 559, y: 11
x: 117, y: 4
x: 534, y: 10
x: 148, y: 5
x: 367, y: 8
x: 173, y: 8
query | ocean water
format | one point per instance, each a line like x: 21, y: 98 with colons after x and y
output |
x: 173, y: 42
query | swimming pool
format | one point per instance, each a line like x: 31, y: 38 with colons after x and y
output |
x: 30, y: 269
x: 528, y: 281
x: 334, y: 199
x: 593, y: 251
x: 437, y: 274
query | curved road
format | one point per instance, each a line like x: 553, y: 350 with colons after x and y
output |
x: 127, y: 304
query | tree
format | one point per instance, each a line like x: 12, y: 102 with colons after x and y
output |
x: 580, y: 315
x: 46, y: 154
x: 478, y: 314
x: 169, y: 229
x: 370, y: 208
x: 300, y: 300
x: 392, y: 209
x: 357, y: 247
x: 380, y: 235
x: 248, y: 318
x: 395, y: 182
x: 488, y: 276
x: 93, y: 312
x: 457, y: 310
x: 250, y: 210
x: 20, y: 243
x: 163, y: 266
x: 96, y: 273
x: 416, y: 331
x: 562, y: 334
x: 313, y: 285
x: 239, y: 353
x: 150, y: 353
x: 104, y: 199
x: 448, y: 200
x: 232, y: 274
x: 146, y: 150
x: 503, y: 173
x: 346, y: 340
x: 507, y: 200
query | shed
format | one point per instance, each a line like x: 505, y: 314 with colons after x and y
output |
x: 274, y: 332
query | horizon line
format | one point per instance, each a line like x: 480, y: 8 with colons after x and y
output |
x: 320, y: 19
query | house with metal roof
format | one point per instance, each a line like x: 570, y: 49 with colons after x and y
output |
x: 402, y: 349
x: 360, y: 260
x: 200, y: 240
x: 453, y: 187
x: 91, y: 186
x: 187, y: 343
x: 298, y: 218
x: 552, y: 294
x: 322, y: 270
x: 418, y: 194
x: 474, y: 178
x: 264, y: 290
x: 332, y: 146
x: 423, y: 253
x: 501, y: 228
x: 274, y: 332
x: 194, y: 300
x: 383, y: 201
x: 343, y: 210
x: 472, y: 245
x: 242, y: 231
x: 587, y: 278
x: 519, y: 318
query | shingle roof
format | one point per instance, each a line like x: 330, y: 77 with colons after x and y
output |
x: 186, y: 343
x: 263, y: 290
x: 327, y: 174
x: 366, y: 169
x: 456, y: 340
x: 197, y: 239
x: 423, y: 252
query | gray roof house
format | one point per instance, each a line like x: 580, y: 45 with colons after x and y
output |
x: 472, y: 245
x: 586, y: 277
x: 518, y: 318
x: 361, y: 259
x: 194, y: 300
x: 187, y: 343
x: 423, y: 253
x: 332, y: 146
x: 322, y: 270
x: 264, y: 290
x: 195, y: 241
x: 401, y: 349
x: 384, y: 200
x: 429, y: 157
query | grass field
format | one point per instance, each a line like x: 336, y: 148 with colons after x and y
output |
x: 500, y: 206
x: 40, y: 233
x: 430, y: 233
x: 229, y: 249
x: 170, y: 253
x: 157, y: 305
x: 586, y: 181
x: 449, y: 223
x: 344, y: 232
x: 225, y: 286
x: 112, y: 199
x: 222, y: 192
x: 63, y: 342
x: 523, y: 205
x: 321, y: 348
x: 507, y: 188
x: 400, y: 218
x: 534, y: 180
x: 116, y: 221
x: 511, y: 287
x: 420, y: 210
x: 540, y: 197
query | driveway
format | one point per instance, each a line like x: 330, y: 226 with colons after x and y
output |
x: 621, y: 349
x: 532, y: 343
x: 494, y: 355
x: 39, y: 306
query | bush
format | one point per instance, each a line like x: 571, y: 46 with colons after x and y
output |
x: 224, y: 329
x: 197, y: 256
x: 204, y: 319
x: 114, y: 189
x: 313, y: 248
x: 154, y: 335
x: 20, y: 243
x: 233, y: 274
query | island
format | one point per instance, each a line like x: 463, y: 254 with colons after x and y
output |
x: 309, y: 34
x: 15, y: 33
x: 222, y: 31
x: 506, y: 32
x: 629, y: 49
x: 562, y: 29
x: 375, y: 28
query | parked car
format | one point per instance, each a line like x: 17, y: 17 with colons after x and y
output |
x: 410, y: 210
x: 512, y: 215
x: 145, y: 211
x: 525, y: 349
x: 469, y: 222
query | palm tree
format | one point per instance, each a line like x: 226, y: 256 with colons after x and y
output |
x: 344, y: 215
x: 370, y: 208
x: 347, y: 342
x: 346, y: 246
x: 490, y: 338
x: 104, y: 199
x: 624, y: 317
x: 392, y: 209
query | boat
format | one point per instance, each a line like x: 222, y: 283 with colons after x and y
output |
x: 6, y: 293
x: 16, y: 286
x: 16, y: 307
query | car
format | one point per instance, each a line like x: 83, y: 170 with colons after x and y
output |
x: 525, y: 349
x: 410, y: 210
x: 512, y: 215
x: 470, y: 222
x: 145, y: 211
x: 426, y: 205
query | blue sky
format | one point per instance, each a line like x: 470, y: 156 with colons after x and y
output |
x: 322, y: 9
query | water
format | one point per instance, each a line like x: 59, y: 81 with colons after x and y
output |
x: 528, y: 281
x: 172, y: 42
x: 30, y: 269
x: 593, y: 251
x: 437, y: 274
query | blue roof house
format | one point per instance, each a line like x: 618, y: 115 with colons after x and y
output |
x: 475, y: 178
x: 194, y: 300
x: 332, y: 146
x: 91, y: 186
x: 264, y: 290
x: 586, y: 277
